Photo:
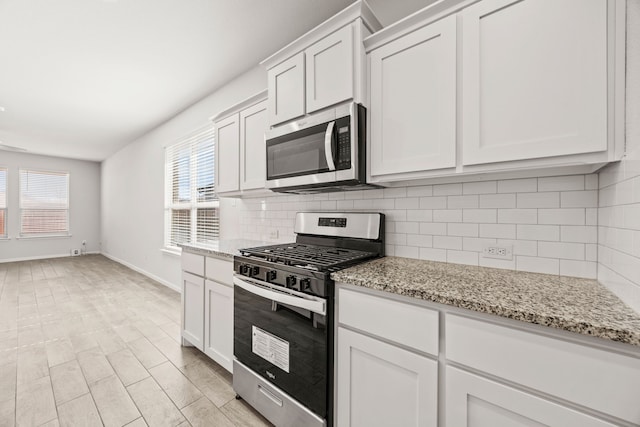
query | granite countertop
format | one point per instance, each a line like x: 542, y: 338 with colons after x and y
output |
x: 572, y: 304
x: 225, y: 248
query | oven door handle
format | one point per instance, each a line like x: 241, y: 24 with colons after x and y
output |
x: 306, y: 303
x: 328, y: 146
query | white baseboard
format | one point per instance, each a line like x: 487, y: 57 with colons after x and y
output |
x: 146, y: 273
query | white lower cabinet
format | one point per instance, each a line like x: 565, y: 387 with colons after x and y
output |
x: 474, y: 401
x: 379, y: 384
x: 193, y: 309
x: 218, y: 325
x: 207, y: 306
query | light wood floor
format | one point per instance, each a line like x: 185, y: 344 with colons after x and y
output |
x: 85, y: 341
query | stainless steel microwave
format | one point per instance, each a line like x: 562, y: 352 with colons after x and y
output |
x: 320, y: 153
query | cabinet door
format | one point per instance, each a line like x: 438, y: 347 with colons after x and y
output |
x: 382, y: 385
x: 413, y: 101
x: 473, y: 401
x: 285, y: 82
x: 227, y: 155
x: 218, y: 325
x: 253, y: 124
x: 193, y: 309
x: 534, y: 79
x: 329, y: 69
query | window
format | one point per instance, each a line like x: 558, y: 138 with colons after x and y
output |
x: 3, y: 202
x: 191, y: 207
x: 44, y: 203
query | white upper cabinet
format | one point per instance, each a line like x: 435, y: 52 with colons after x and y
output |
x: 227, y: 155
x: 322, y: 68
x: 329, y: 70
x: 240, y: 148
x: 253, y: 124
x: 534, y: 79
x: 524, y: 87
x: 413, y: 98
x: 286, y: 87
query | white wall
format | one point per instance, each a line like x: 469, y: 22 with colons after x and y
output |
x: 84, y: 207
x: 619, y: 213
x: 133, y: 186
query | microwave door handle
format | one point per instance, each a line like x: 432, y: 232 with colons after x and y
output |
x: 328, y: 146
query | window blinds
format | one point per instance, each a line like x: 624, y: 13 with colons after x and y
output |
x: 44, y: 203
x: 191, y: 203
x: 3, y: 202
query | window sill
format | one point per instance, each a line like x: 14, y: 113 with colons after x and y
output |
x: 172, y: 252
x: 5, y: 238
x: 50, y: 236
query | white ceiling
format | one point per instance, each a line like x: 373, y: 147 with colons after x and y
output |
x: 82, y: 78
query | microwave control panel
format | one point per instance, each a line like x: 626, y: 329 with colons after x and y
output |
x: 344, y: 144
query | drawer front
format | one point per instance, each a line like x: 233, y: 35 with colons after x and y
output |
x: 604, y: 381
x: 220, y: 270
x: 193, y: 263
x: 407, y: 324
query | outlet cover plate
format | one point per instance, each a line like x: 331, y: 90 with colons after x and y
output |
x: 498, y: 252
x: 75, y: 252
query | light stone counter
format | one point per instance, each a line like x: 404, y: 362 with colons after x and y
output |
x: 577, y: 305
x: 225, y: 248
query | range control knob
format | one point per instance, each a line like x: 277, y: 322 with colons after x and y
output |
x: 243, y: 269
x: 254, y: 271
x: 305, y: 285
x: 271, y: 275
x: 291, y: 282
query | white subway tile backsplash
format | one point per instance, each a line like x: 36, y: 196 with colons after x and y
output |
x: 561, y: 183
x: 498, y: 231
x: 538, y: 265
x: 461, y: 229
x: 482, y: 187
x: 579, y: 234
x: 447, y: 215
x: 507, y: 200
x: 462, y: 257
x: 421, y: 240
x: 527, y: 185
x: 455, y: 222
x: 421, y: 215
x: 408, y: 203
x: 579, y: 199
x: 488, y: 216
x: 570, y: 216
x: 433, y: 202
x: 447, y: 189
x: 432, y: 254
x: 434, y: 228
x: 538, y: 200
x: 561, y: 250
x: 459, y: 202
x: 421, y: 191
x: 585, y: 269
x: 447, y: 242
x: 395, y: 192
x: 518, y: 216
x: 408, y: 227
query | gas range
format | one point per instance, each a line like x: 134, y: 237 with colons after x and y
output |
x: 283, y: 315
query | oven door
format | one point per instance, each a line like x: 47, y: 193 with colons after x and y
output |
x: 282, y: 335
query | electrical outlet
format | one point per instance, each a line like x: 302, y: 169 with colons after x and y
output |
x: 75, y: 252
x: 273, y: 234
x: 498, y: 252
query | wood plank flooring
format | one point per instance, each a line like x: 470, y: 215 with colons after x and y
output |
x: 85, y: 341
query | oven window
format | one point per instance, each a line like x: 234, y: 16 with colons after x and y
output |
x: 301, y: 153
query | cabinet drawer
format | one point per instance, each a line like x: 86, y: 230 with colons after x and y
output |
x: 193, y: 263
x: 602, y: 380
x: 219, y: 270
x: 407, y: 324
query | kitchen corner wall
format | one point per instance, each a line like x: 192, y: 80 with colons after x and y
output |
x: 619, y: 213
x: 551, y: 222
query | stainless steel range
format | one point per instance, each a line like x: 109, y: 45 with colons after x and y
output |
x: 284, y: 315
